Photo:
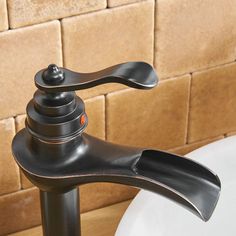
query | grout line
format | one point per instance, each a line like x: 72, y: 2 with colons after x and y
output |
x: 154, y: 33
x: 126, y: 4
x: 8, y: 15
x: 17, y: 191
x: 188, y: 110
x: 201, y: 69
x: 62, y: 44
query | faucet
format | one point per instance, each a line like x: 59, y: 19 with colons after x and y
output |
x: 57, y: 156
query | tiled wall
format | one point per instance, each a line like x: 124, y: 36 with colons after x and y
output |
x: 192, y: 44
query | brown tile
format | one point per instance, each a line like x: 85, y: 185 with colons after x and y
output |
x: 156, y: 118
x: 95, y: 41
x: 193, y: 146
x: 19, y: 211
x: 23, y: 52
x: 28, y: 12
x: 213, y: 102
x: 3, y: 15
x: 9, y: 172
x: 97, y: 195
x: 115, y: 3
x: 95, y: 109
x: 192, y: 35
x: 102, y: 222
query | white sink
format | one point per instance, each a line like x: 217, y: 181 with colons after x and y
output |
x: 150, y: 214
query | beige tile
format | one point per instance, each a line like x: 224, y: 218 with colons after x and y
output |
x: 102, y: 222
x: 115, y: 3
x: 213, y: 102
x: 23, y: 52
x: 191, y: 35
x: 156, y: 118
x: 193, y: 146
x: 20, y: 124
x: 95, y: 41
x: 28, y: 12
x: 9, y: 172
x: 95, y: 109
x: 231, y: 134
x: 19, y: 211
x: 3, y: 15
x: 97, y: 195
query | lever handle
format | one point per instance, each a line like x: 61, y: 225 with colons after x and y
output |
x: 138, y: 75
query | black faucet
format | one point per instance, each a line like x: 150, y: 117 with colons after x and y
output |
x: 56, y: 155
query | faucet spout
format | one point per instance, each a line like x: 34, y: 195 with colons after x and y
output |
x: 90, y: 160
x: 178, y: 178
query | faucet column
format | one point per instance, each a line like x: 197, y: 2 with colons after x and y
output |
x: 60, y: 213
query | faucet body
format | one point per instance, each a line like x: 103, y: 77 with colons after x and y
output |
x: 57, y: 156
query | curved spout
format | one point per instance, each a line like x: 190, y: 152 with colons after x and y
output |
x: 177, y: 178
x: 93, y: 160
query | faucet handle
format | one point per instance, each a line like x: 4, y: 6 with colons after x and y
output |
x: 138, y: 75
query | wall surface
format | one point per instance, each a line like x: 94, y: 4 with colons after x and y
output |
x: 192, y: 45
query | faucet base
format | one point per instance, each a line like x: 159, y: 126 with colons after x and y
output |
x: 60, y: 213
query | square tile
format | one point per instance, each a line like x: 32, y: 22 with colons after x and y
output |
x: 28, y: 12
x: 24, y: 52
x: 19, y: 211
x: 192, y: 35
x: 213, y: 102
x: 156, y: 118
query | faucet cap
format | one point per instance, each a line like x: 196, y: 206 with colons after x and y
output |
x: 53, y: 75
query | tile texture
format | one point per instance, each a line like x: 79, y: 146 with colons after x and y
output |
x: 9, y: 172
x: 24, y: 52
x: 27, y: 12
x: 19, y: 211
x: 156, y: 118
x: 95, y: 41
x: 193, y: 146
x: 95, y: 110
x: 191, y: 35
x: 3, y: 15
x: 213, y: 102
x: 97, y: 195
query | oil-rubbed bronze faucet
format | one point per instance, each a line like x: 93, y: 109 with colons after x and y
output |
x: 56, y: 155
